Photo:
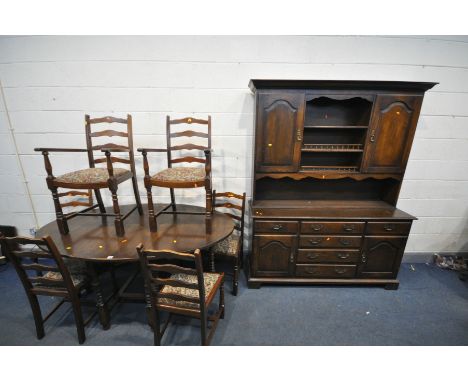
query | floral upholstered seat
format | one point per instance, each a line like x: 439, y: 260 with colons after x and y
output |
x: 181, y: 174
x: 228, y: 246
x: 210, y: 280
x: 77, y: 269
x: 90, y: 175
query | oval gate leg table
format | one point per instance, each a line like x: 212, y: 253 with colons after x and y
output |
x: 93, y: 240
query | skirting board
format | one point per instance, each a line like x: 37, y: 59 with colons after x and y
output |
x: 428, y: 257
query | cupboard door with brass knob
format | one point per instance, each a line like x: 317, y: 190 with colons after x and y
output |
x: 280, y: 124
x: 273, y: 255
x: 391, y: 133
x: 381, y: 256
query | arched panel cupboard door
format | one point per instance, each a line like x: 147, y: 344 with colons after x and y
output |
x: 280, y: 125
x: 381, y: 257
x: 391, y: 133
x: 274, y: 255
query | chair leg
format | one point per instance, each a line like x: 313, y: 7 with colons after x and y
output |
x: 36, y: 311
x: 173, y: 203
x: 137, y: 194
x: 151, y: 218
x: 61, y: 220
x: 156, y: 328
x: 102, y: 209
x: 203, y: 323
x: 212, y: 262
x: 221, y: 299
x: 78, y: 319
x: 235, y: 278
x: 119, y: 227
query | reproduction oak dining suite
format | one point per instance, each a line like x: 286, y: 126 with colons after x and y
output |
x: 329, y: 160
x: 174, y: 280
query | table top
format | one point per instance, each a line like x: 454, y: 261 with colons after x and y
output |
x: 94, y: 239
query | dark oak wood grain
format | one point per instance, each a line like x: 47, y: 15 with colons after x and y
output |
x: 330, y: 157
x: 95, y: 239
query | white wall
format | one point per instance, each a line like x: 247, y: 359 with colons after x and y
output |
x: 51, y: 82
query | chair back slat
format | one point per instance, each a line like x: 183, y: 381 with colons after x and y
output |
x: 127, y: 133
x: 230, y: 195
x: 40, y: 267
x: 229, y: 205
x: 178, y: 297
x: 162, y: 268
x: 188, y: 160
x: 172, y: 269
x: 224, y: 196
x: 113, y: 160
x: 170, y: 134
x: 173, y: 282
x: 108, y: 119
x: 47, y: 282
x: 74, y: 203
x: 189, y: 120
x: 188, y: 146
x: 44, y: 258
x: 73, y: 193
x: 31, y: 254
x: 109, y: 146
x: 188, y: 133
x: 109, y: 133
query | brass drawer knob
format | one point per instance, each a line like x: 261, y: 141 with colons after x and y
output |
x: 277, y: 227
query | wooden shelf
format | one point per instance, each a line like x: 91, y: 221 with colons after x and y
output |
x: 343, y: 148
x: 346, y: 169
x: 335, y: 127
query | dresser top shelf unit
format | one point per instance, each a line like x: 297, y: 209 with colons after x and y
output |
x: 349, y: 85
x: 325, y: 128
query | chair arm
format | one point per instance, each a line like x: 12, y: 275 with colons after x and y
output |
x: 45, y: 152
x: 143, y: 150
x: 115, y: 150
x: 208, y: 164
x: 64, y: 150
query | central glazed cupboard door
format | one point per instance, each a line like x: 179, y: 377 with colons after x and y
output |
x: 280, y: 124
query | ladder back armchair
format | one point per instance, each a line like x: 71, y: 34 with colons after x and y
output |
x: 96, y: 178
x: 181, y: 176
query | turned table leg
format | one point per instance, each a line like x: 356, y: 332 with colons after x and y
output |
x: 103, y: 311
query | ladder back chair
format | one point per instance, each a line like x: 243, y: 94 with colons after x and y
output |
x: 182, y: 290
x: 233, y: 246
x: 43, y: 272
x: 181, y: 176
x: 96, y: 178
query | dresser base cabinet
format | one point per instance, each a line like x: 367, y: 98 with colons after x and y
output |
x: 309, y: 246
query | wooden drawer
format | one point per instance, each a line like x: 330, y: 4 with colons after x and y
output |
x: 327, y: 256
x: 337, y: 271
x: 388, y: 228
x: 276, y: 226
x: 309, y: 241
x: 332, y: 227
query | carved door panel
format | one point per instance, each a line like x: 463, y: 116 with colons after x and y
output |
x: 273, y: 255
x: 391, y: 133
x: 280, y: 124
x: 381, y: 257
